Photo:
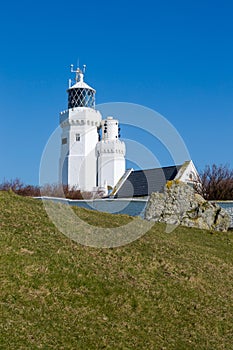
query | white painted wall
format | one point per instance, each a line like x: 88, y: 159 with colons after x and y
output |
x: 111, y: 167
x: 110, y: 154
x: 188, y: 173
x: 78, y: 161
x: 109, y: 129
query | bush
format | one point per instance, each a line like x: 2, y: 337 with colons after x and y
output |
x: 54, y: 190
x: 216, y: 183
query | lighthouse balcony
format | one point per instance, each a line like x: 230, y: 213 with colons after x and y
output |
x: 110, y: 146
x: 80, y: 116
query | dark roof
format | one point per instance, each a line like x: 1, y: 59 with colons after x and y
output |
x: 143, y: 182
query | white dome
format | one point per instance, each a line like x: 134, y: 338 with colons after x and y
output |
x: 81, y: 85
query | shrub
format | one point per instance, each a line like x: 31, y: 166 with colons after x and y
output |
x: 216, y: 183
x: 50, y: 190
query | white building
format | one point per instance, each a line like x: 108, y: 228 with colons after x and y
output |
x: 110, y: 154
x: 85, y: 161
x: 93, y: 157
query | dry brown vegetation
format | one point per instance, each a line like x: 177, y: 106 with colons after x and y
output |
x: 54, y: 190
x: 216, y: 183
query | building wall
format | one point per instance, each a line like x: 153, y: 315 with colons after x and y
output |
x: 188, y: 173
x: 111, y: 167
x: 111, y: 162
x: 110, y: 154
x: 78, y: 141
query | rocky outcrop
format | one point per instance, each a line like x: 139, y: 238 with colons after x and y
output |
x: 228, y: 207
x: 180, y: 205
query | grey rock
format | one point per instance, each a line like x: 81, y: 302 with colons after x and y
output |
x: 180, y: 205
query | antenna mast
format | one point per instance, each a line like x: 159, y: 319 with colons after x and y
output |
x: 79, y: 72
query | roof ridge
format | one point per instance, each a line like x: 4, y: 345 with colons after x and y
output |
x: 164, y: 167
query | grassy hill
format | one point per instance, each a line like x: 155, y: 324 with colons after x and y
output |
x: 163, y: 291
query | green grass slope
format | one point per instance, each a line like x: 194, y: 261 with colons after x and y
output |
x: 163, y: 291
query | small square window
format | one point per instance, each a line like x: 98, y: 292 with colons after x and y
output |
x: 77, y: 137
x: 64, y: 141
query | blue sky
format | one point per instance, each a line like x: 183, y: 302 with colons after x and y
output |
x: 172, y: 56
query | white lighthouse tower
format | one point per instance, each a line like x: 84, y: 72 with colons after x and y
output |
x: 111, y: 154
x: 80, y: 123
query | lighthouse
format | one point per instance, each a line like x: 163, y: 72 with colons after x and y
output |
x: 79, y: 124
x: 87, y: 160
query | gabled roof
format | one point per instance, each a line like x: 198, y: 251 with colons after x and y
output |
x: 143, y: 182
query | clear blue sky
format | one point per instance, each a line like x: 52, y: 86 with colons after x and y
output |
x: 172, y: 56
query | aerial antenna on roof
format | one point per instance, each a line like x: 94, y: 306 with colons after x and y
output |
x: 79, y: 72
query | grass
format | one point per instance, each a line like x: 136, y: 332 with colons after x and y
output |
x: 163, y: 291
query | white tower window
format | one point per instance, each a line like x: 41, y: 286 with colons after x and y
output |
x: 77, y: 137
x: 64, y: 141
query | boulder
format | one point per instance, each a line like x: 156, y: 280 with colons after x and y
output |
x: 180, y: 205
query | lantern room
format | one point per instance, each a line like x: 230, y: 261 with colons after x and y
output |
x: 80, y: 94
